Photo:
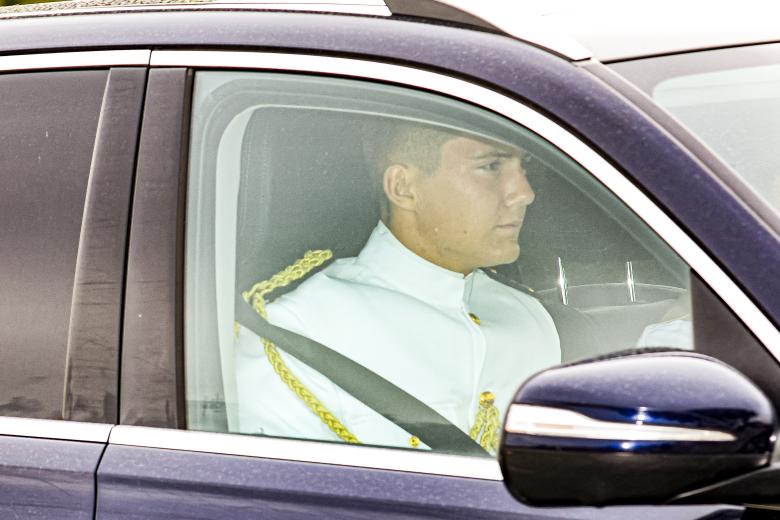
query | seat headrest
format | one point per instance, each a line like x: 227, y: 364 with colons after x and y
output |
x: 305, y: 184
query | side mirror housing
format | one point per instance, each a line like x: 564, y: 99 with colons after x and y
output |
x: 635, y: 429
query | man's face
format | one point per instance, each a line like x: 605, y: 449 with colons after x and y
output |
x: 472, y: 207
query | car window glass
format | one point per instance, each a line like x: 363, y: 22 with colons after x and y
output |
x: 729, y: 98
x: 383, y: 223
x: 48, y: 132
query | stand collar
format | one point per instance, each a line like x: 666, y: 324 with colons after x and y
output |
x: 406, y: 272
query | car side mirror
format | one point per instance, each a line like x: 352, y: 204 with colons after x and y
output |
x: 634, y: 429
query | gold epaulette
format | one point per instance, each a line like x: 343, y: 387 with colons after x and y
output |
x: 256, y: 297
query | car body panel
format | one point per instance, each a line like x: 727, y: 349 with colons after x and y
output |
x: 48, y: 479
x: 146, y: 483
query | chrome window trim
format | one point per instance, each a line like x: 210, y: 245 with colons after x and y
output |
x: 53, y: 429
x: 74, y: 60
x: 588, y: 158
x: 338, y: 454
x: 234, y: 5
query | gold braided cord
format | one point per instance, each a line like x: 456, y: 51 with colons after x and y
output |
x: 295, y: 271
x: 305, y: 395
x: 256, y: 297
x: 486, y: 422
x: 479, y: 422
x: 489, y: 439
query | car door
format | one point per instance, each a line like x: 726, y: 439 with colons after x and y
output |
x: 153, y: 467
x: 66, y: 166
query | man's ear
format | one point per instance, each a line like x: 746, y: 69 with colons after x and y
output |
x: 399, y: 183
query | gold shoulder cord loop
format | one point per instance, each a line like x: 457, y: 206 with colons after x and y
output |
x: 486, y: 422
x: 256, y: 297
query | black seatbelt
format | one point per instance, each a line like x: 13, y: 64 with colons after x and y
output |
x: 376, y: 392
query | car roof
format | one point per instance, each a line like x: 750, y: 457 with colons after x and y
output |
x: 608, y: 30
x: 487, y: 16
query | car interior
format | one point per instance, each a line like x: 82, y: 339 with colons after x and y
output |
x: 279, y: 172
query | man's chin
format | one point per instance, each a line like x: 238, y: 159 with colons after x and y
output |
x: 507, y: 256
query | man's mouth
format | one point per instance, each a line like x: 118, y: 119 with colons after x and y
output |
x: 515, y: 224
x: 510, y: 226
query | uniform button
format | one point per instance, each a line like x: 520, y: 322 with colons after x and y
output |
x: 474, y: 318
x: 414, y: 441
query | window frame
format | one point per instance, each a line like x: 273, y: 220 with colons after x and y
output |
x: 405, y: 76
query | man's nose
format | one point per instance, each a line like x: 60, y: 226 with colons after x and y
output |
x: 517, y: 188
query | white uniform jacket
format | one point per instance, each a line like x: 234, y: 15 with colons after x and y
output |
x: 407, y: 320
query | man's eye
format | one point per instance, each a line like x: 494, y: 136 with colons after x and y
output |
x: 492, y: 166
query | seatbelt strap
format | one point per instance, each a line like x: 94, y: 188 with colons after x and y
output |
x: 368, y: 387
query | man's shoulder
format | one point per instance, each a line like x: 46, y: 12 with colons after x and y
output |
x: 343, y: 274
x: 342, y: 280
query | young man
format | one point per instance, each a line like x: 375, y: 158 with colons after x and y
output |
x: 414, y: 306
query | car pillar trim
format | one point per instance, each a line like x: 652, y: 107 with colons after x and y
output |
x: 53, y: 429
x: 556, y: 422
x: 405, y: 460
x: 761, y: 326
x: 75, y: 60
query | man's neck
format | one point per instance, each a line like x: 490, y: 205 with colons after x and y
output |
x: 413, y: 240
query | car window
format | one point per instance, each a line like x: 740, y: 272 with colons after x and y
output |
x: 48, y: 131
x: 730, y: 98
x: 442, y: 247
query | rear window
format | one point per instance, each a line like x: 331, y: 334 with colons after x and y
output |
x: 49, y: 122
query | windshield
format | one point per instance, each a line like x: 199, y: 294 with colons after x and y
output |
x: 729, y: 98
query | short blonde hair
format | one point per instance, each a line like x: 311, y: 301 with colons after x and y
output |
x: 402, y: 142
x: 416, y: 145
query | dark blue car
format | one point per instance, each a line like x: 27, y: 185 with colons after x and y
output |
x: 235, y: 284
